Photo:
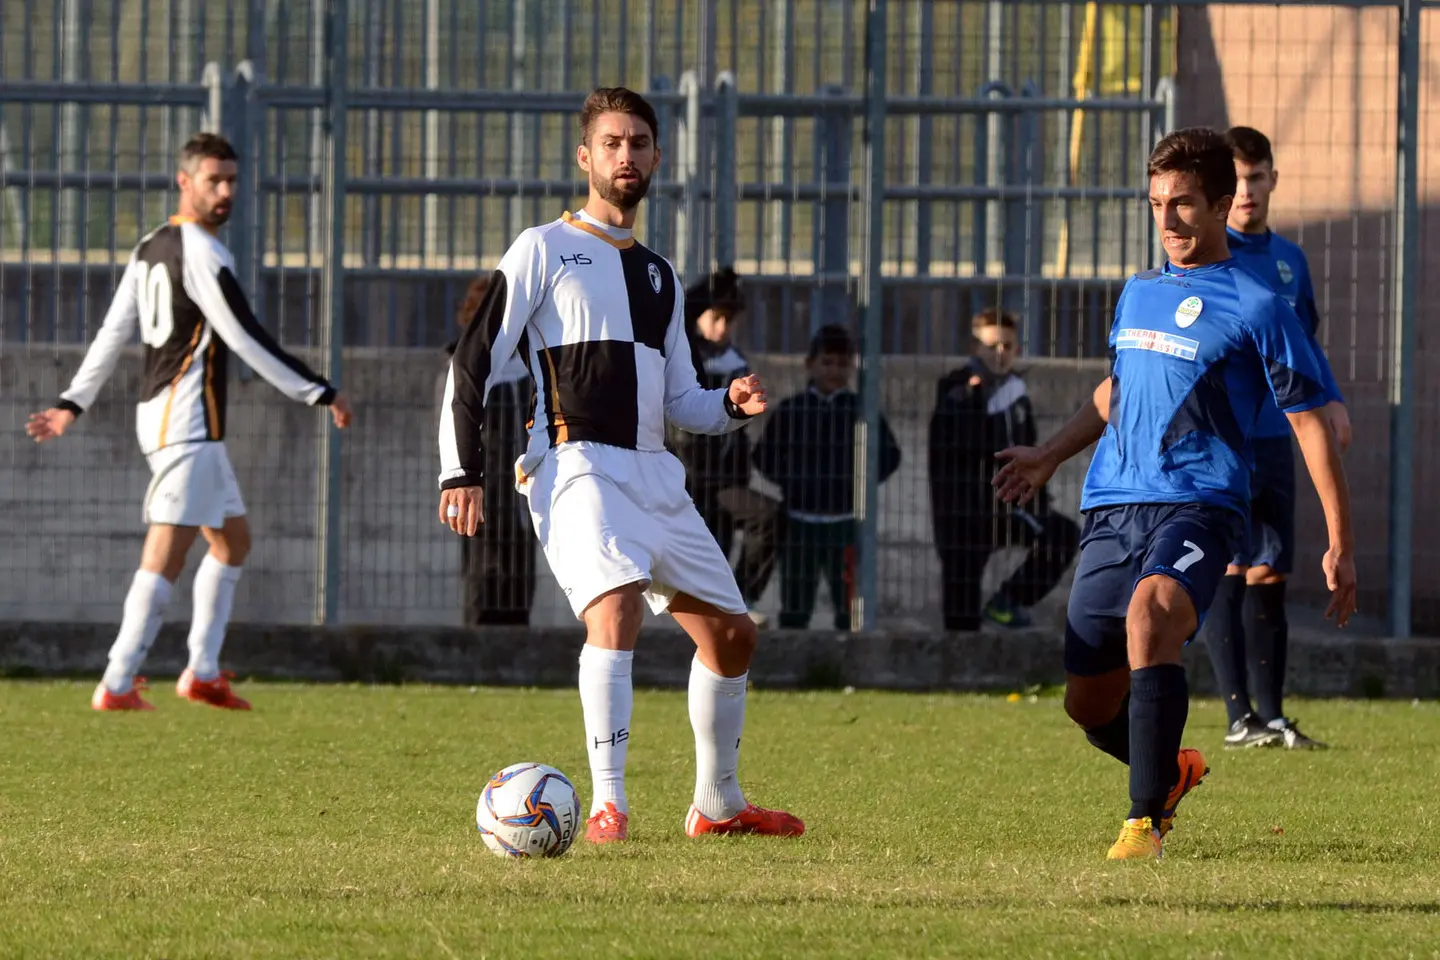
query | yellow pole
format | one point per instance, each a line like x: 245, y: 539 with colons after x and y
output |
x: 1081, y: 83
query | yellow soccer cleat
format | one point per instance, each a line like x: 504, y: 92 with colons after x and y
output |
x: 1139, y: 840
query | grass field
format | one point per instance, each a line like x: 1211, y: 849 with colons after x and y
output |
x: 339, y: 822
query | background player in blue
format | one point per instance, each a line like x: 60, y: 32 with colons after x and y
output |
x: 1246, y: 631
x: 1195, y: 347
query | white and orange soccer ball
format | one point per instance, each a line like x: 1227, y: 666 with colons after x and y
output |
x: 528, y: 810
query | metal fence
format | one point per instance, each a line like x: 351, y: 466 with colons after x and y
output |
x: 890, y: 166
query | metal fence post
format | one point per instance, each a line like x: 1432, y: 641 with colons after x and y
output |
x: 864, y: 599
x: 687, y: 212
x: 727, y: 109
x: 831, y: 231
x: 1402, y: 383
x: 239, y: 121
x: 332, y: 307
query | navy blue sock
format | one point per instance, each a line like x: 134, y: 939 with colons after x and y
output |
x: 1226, y: 638
x: 1114, y: 737
x: 1267, y: 635
x: 1159, y: 706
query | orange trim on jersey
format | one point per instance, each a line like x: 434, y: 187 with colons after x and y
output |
x: 595, y: 231
x: 562, y: 430
x: 184, y: 368
x: 212, y: 412
x: 177, y: 220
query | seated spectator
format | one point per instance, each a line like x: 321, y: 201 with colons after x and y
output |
x: 717, y: 468
x: 808, y: 450
x: 980, y: 409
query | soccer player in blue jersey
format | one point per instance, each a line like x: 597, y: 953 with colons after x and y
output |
x: 1195, y: 348
x: 1246, y: 631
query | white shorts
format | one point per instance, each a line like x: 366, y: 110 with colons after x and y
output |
x: 192, y: 485
x: 607, y: 517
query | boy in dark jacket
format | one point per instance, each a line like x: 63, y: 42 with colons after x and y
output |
x: 808, y: 449
x: 497, y: 564
x: 981, y: 408
x: 717, y: 468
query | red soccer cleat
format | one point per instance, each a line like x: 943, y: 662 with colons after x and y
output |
x: 103, y: 699
x: 607, y: 825
x: 215, y: 692
x: 753, y: 819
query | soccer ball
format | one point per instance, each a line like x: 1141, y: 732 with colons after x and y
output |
x: 528, y: 810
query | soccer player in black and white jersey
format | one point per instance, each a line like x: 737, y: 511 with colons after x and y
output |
x: 599, y: 321
x: 180, y: 289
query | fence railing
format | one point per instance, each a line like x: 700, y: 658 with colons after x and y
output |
x: 891, y: 166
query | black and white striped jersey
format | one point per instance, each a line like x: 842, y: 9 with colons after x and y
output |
x: 599, y: 320
x: 180, y: 288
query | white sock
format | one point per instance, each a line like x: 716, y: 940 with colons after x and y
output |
x: 717, y: 715
x: 607, y: 696
x: 214, y: 598
x: 144, y: 612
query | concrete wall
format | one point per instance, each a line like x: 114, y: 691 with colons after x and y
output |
x: 71, y: 527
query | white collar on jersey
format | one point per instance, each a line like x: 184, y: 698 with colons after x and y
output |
x: 615, y: 233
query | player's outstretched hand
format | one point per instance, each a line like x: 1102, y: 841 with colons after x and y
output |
x: 1025, y: 470
x: 748, y: 393
x: 1339, y: 419
x: 49, y: 424
x: 340, y: 411
x: 462, y: 509
x: 1340, y: 578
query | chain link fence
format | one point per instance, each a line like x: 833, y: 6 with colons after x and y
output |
x: 891, y: 168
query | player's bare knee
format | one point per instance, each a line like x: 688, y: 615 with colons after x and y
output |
x: 230, y: 544
x: 1160, y: 619
x: 1094, y: 701
x: 1258, y: 576
x: 613, y: 620
x: 741, y: 637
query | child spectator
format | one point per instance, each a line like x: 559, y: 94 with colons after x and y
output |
x: 982, y: 408
x: 717, y: 468
x: 808, y: 450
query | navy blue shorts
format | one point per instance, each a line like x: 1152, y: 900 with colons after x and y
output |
x: 1272, y: 507
x: 1191, y: 544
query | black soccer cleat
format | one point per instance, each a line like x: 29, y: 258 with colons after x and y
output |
x: 1289, y: 734
x: 1250, y: 731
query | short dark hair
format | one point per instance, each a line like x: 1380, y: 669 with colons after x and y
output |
x: 1250, y: 145
x: 616, y: 100
x: 474, y: 296
x: 205, y: 146
x: 1202, y: 152
x: 993, y: 317
x: 831, y: 339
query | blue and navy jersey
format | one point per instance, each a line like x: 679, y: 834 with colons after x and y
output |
x: 1194, y: 354
x: 1282, y: 265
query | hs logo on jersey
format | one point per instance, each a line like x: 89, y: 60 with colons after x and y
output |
x: 577, y: 258
x: 654, y: 272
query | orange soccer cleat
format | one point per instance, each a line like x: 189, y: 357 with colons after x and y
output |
x: 1193, y: 770
x: 215, y: 692
x: 753, y: 819
x: 103, y: 699
x: 607, y: 825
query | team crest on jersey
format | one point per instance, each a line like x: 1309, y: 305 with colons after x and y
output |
x: 1286, y: 274
x: 654, y: 272
x: 1188, y: 312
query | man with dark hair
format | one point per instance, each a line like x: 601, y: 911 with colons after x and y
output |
x: 717, y: 467
x: 981, y: 408
x: 180, y: 290
x: 1195, y: 347
x: 808, y: 450
x: 497, y: 564
x: 599, y: 321
x: 1247, y: 632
